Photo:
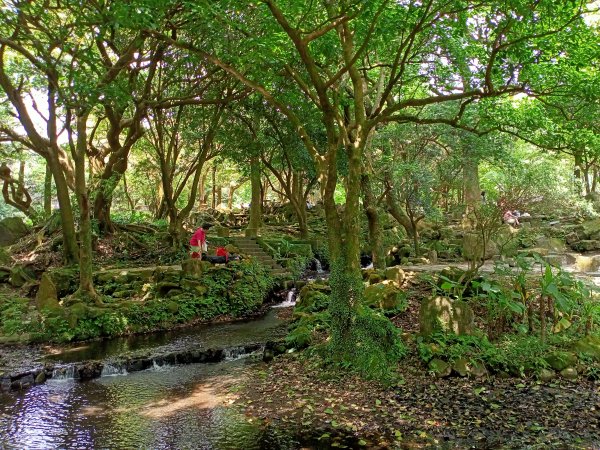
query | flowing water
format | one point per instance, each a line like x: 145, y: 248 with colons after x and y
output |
x: 180, y: 406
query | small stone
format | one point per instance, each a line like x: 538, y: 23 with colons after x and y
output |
x: 478, y: 370
x: 461, y: 367
x: 440, y: 368
x: 395, y: 274
x: 570, y: 373
x: 546, y: 375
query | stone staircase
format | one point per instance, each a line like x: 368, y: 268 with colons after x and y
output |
x: 249, y: 246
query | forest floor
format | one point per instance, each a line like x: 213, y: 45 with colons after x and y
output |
x: 422, y: 411
x: 295, y: 392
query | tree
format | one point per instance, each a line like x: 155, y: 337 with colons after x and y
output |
x: 360, y: 65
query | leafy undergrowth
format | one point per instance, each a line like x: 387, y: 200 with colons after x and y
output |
x: 421, y: 411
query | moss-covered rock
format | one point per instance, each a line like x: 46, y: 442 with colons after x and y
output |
x: 546, y: 375
x: 589, y: 346
x: 440, y: 368
x: 4, y: 274
x: 376, y: 277
x: 194, y: 268
x: 66, y: 280
x: 11, y: 230
x: 313, y: 297
x: 533, y: 251
x: 5, y: 258
x: 461, y: 367
x: 561, y: 360
x: 19, y: 275
x: 46, y: 297
x: 395, y: 274
x: 570, y: 373
x: 194, y: 286
x: 75, y: 313
x: 386, y: 296
x: 443, y: 314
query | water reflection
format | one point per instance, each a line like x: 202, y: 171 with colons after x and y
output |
x: 203, y: 336
x: 179, y: 407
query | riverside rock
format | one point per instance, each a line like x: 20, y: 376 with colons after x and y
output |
x: 442, y: 313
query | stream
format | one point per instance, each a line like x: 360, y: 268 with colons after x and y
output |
x: 164, y: 406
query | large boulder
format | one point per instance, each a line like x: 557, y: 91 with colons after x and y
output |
x: 443, y: 314
x: 588, y: 346
x: 11, y: 230
x: 46, y: 297
x: 386, y: 296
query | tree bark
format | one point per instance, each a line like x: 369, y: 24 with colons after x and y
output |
x: 86, y: 284
x: 70, y: 248
x: 48, y: 192
x: 256, y: 204
x: 373, y: 220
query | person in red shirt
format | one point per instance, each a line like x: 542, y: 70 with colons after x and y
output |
x: 198, y: 243
x: 221, y: 251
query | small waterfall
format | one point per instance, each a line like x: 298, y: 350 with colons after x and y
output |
x: 159, y: 365
x: 233, y: 353
x: 290, y: 299
x: 64, y: 373
x: 370, y: 266
x: 318, y: 266
x: 108, y: 370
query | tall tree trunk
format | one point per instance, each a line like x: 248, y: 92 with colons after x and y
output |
x: 202, y: 189
x: 48, y: 192
x: 86, y: 284
x: 70, y: 248
x: 128, y: 195
x: 256, y: 204
x: 214, y: 186
x: 577, y: 170
x: 373, y: 220
x: 113, y: 172
x: 343, y: 234
x: 219, y: 195
x: 472, y: 191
